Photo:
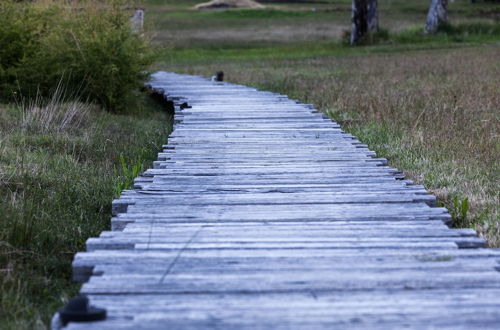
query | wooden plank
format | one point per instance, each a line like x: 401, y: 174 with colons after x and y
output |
x: 84, y: 263
x: 289, y: 281
x: 306, y: 310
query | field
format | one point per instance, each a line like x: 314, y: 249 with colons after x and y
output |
x: 57, y: 181
x: 430, y: 104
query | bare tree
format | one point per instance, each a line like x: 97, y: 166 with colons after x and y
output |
x: 437, y: 15
x: 364, y: 19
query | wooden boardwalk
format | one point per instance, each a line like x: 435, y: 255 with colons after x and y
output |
x: 262, y: 214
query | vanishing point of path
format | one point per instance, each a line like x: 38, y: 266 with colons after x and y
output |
x: 262, y: 214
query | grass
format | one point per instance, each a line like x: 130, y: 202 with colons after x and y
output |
x: 222, y: 54
x: 58, y: 177
x: 427, y: 103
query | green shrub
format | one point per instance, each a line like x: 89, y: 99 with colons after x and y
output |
x: 89, y: 45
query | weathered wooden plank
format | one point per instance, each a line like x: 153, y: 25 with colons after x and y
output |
x: 286, y: 281
x: 269, y: 170
x: 325, y: 166
x: 353, y: 228
x: 261, y: 189
x: 307, y: 310
x: 207, y: 265
x: 84, y: 263
x: 270, y: 198
x: 121, y: 206
x: 337, y: 257
x: 154, y: 242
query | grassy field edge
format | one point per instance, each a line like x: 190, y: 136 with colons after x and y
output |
x: 57, y: 185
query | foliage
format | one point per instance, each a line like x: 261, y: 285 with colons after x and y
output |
x: 57, y: 181
x: 459, y: 211
x: 89, y: 43
x: 127, y: 175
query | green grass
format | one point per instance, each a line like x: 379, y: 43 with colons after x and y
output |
x: 56, y: 188
x: 257, y: 51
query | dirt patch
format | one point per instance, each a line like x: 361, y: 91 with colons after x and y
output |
x: 296, y: 1
x: 228, y: 4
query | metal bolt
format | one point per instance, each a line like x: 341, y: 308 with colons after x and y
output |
x: 78, y: 309
x: 185, y: 105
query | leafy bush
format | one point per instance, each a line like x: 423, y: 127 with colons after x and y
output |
x: 89, y: 43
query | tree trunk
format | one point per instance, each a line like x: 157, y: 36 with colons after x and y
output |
x: 137, y: 20
x: 364, y: 19
x: 436, y: 16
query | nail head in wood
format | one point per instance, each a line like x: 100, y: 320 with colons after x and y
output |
x: 78, y: 309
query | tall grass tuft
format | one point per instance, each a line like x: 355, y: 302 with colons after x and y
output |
x: 54, y: 115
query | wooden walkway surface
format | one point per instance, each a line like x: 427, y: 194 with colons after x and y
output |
x: 262, y: 214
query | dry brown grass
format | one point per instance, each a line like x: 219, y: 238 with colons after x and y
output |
x: 226, y: 4
x: 55, y: 115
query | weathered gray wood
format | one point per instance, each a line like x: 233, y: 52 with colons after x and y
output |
x: 364, y: 19
x: 306, y: 310
x: 289, y: 281
x: 262, y: 214
x: 436, y: 16
x: 84, y: 263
